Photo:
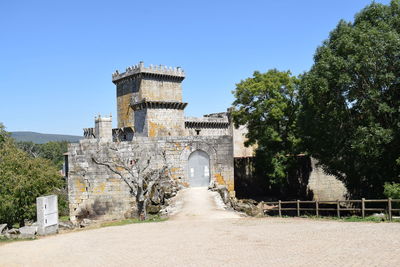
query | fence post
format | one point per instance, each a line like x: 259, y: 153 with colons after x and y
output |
x: 298, y: 208
x: 338, y: 208
x: 316, y: 208
x: 363, y: 207
x: 279, y: 208
x: 390, y: 208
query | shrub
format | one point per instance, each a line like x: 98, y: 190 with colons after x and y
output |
x: 392, y: 190
x: 22, y: 180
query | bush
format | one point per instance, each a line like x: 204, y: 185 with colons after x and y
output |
x: 392, y: 190
x: 22, y: 180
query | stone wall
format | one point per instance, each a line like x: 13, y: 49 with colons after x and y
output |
x: 157, y: 89
x: 207, y: 131
x: 125, y: 91
x: 208, y: 125
x: 165, y: 122
x: 239, y: 138
x: 325, y: 186
x: 96, y: 192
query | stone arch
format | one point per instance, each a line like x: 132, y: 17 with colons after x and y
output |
x: 190, y: 148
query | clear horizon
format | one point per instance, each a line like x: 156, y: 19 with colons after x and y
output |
x: 57, y: 57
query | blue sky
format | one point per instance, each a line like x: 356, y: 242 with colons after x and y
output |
x: 56, y: 57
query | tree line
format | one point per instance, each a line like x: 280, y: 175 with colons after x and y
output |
x: 28, y: 171
x: 344, y: 111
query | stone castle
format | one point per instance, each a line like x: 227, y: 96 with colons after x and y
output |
x: 150, y: 109
x: 199, y: 151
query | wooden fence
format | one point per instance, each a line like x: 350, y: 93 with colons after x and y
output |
x: 347, y: 205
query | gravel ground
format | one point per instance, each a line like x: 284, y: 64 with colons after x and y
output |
x: 202, y: 234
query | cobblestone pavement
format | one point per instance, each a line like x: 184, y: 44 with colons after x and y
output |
x: 202, y: 234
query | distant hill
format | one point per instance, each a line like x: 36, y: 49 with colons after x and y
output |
x: 40, y: 138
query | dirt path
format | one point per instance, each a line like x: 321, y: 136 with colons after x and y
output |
x: 202, y: 234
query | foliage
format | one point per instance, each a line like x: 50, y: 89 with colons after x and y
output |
x: 22, y: 180
x: 3, y: 134
x: 350, y: 98
x: 267, y: 103
x: 52, y: 151
x: 392, y: 190
x: 62, y: 197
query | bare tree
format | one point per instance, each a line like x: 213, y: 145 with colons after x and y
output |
x: 136, y: 170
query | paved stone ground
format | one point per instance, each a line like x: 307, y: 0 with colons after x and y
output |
x: 202, y: 234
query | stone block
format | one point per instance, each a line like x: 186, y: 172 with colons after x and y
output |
x: 28, y: 231
x: 3, y: 228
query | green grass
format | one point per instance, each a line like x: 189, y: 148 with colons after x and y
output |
x: 9, y: 240
x: 130, y: 221
x: 64, y: 218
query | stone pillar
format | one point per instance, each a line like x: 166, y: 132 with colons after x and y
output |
x: 103, y: 128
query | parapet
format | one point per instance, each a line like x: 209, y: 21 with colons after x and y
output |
x: 160, y: 70
x: 207, y: 122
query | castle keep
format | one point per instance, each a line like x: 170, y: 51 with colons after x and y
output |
x: 198, y: 151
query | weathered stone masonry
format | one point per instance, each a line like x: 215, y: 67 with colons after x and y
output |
x: 95, y: 191
x: 150, y: 117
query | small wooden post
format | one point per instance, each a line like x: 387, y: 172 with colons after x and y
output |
x: 298, y: 208
x: 280, y: 208
x: 338, y: 208
x: 390, y: 208
x: 316, y: 208
x: 363, y: 207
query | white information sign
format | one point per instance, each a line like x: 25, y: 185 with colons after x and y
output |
x: 47, y: 214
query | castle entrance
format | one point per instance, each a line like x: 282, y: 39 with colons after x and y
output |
x: 199, y: 169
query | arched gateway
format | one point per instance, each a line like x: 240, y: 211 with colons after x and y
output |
x: 199, y: 169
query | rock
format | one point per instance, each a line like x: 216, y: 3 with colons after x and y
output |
x: 153, y: 209
x: 248, y: 206
x: 28, y: 222
x: 28, y: 231
x: 13, y: 231
x: 3, y: 228
x: 223, y: 191
x: 379, y: 215
x: 66, y: 225
x: 211, y: 186
x: 85, y: 223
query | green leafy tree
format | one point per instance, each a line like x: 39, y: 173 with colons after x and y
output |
x: 22, y: 180
x: 351, y: 101
x: 3, y: 134
x: 52, y: 151
x: 29, y: 147
x: 392, y: 190
x: 268, y: 104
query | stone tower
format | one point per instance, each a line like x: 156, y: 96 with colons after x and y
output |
x: 149, y: 100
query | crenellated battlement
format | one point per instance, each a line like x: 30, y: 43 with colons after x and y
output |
x: 159, y: 70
